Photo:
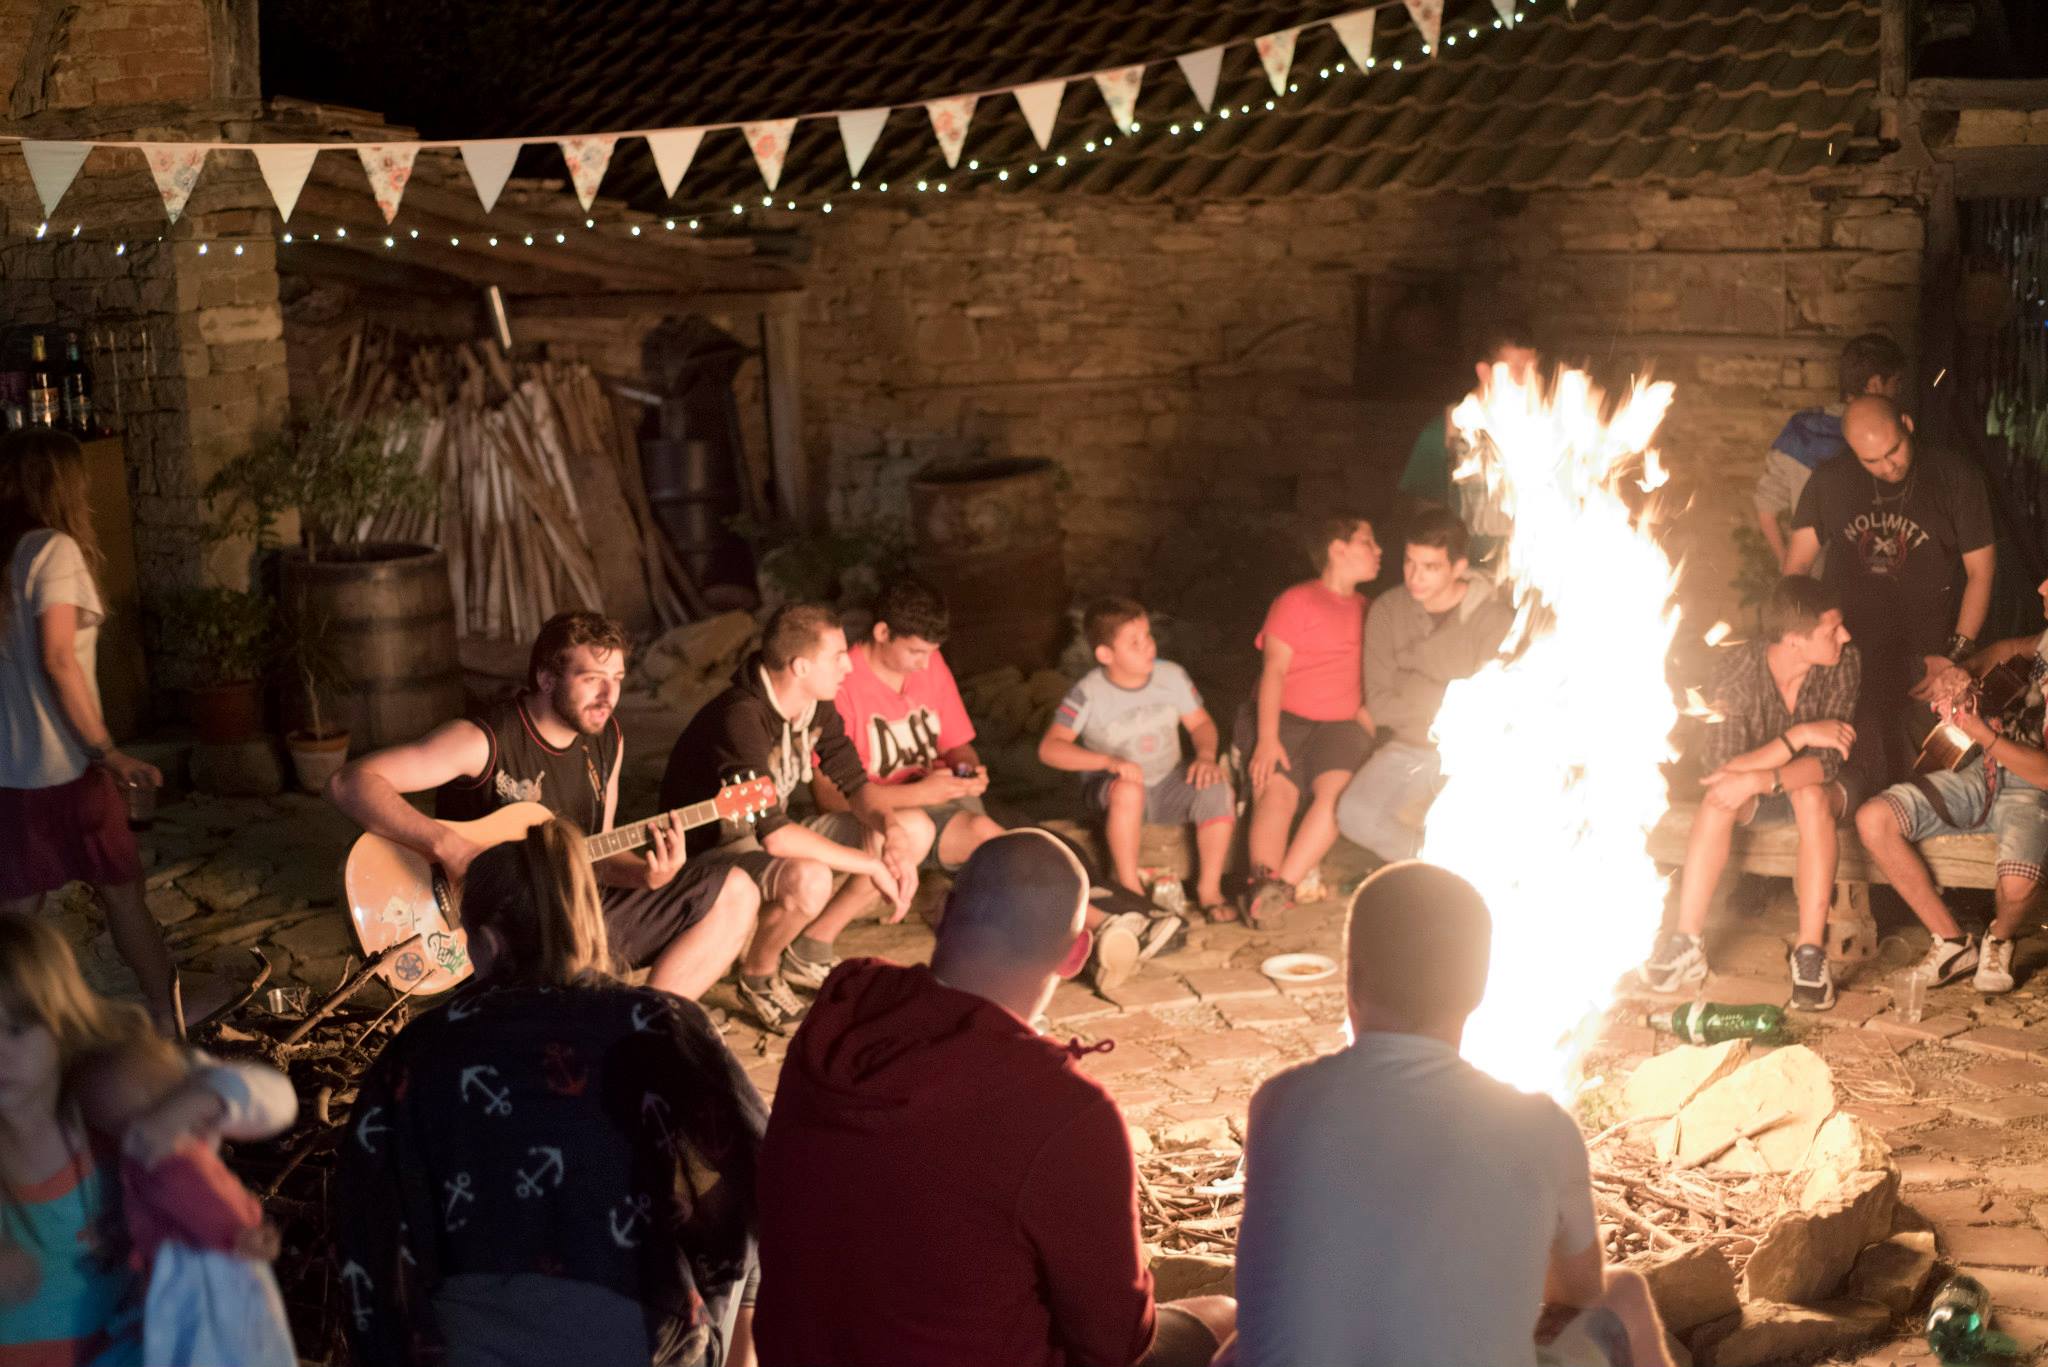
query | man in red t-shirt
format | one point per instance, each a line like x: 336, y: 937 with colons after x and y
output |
x: 941, y: 1185
x: 904, y: 713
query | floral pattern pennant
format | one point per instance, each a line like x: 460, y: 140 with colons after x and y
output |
x: 174, y: 166
x: 769, y: 142
x: 1429, y: 18
x: 587, y: 158
x: 949, y: 121
x: 389, y: 166
x: 1120, y: 92
x: 1276, y: 54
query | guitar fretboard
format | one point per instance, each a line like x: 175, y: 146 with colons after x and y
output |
x: 634, y: 836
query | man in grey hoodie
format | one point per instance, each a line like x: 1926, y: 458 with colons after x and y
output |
x: 1441, y: 624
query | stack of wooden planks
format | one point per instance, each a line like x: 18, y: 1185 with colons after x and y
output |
x: 542, y: 506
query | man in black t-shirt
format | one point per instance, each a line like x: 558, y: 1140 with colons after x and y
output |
x: 559, y: 744
x: 1908, y: 534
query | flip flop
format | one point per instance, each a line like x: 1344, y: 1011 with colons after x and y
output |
x: 1219, y: 913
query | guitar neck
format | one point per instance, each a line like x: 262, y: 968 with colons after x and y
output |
x: 632, y: 837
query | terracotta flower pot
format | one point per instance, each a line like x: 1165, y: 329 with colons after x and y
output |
x: 315, y: 758
x: 225, y: 713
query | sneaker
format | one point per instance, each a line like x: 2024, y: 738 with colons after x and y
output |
x: 1813, y: 982
x: 1994, y: 966
x: 809, y: 974
x: 1119, y: 945
x: 1269, y: 904
x: 1164, y: 933
x: 1948, y: 961
x: 776, y: 1007
x: 1677, y: 961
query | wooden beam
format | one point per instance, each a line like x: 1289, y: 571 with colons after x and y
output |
x: 1958, y: 861
x: 794, y: 487
x: 629, y: 262
x: 1946, y: 92
x: 633, y: 303
x: 511, y: 267
x: 2001, y: 172
x: 380, y: 269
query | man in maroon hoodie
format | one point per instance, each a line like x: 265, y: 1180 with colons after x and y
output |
x: 939, y: 1186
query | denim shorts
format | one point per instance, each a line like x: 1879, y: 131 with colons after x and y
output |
x: 1775, y: 809
x: 1172, y: 801
x: 2018, y: 815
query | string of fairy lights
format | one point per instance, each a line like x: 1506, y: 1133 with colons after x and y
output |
x: 972, y: 172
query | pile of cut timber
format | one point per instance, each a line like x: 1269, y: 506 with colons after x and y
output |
x: 542, y: 505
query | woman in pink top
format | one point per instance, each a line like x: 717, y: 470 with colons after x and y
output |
x: 1310, y: 729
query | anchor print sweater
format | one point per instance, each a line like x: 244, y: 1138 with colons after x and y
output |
x: 549, y: 1174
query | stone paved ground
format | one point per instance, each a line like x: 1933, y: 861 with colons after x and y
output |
x: 1962, y: 1097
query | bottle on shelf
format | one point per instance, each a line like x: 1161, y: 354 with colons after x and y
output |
x: 1712, y: 1023
x: 43, y: 402
x: 75, y: 392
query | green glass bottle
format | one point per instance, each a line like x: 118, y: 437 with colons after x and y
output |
x: 1959, y: 1323
x: 1712, y: 1022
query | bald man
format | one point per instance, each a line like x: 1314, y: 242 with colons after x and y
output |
x: 939, y: 1185
x: 1908, y: 533
x: 1402, y: 1208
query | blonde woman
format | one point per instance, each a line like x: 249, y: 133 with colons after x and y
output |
x: 553, y: 1167
x: 63, y: 808
x: 79, y: 1076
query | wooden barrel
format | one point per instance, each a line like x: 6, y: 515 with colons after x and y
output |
x: 987, y: 537
x: 390, y: 622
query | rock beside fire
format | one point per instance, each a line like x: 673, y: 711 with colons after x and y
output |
x: 1765, y: 1332
x: 1663, y: 1083
x: 1895, y: 1273
x: 1807, y: 1254
x: 1177, y: 1276
x: 1763, y: 1117
x: 1691, y: 1286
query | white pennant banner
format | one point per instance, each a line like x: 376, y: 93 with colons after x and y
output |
x: 174, y: 166
x: 949, y: 123
x: 1276, y: 54
x: 587, y: 158
x: 489, y: 165
x: 1120, y: 92
x: 1041, y: 105
x: 1429, y: 17
x: 769, y: 141
x: 673, y: 151
x: 1201, y: 69
x: 285, y: 169
x: 1355, y: 32
x: 53, y: 166
x: 389, y: 166
x: 1505, y: 9
x: 858, y: 131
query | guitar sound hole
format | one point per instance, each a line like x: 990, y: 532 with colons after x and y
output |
x: 444, y: 898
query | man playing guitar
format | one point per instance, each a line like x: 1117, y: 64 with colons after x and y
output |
x: 558, y: 744
x: 2004, y: 788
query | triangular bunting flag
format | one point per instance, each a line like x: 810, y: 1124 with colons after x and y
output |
x: 1355, y: 32
x: 949, y: 122
x: 489, y: 165
x: 389, y: 166
x: 1505, y: 9
x: 674, y: 149
x: 1429, y: 17
x: 769, y: 142
x: 53, y: 166
x: 858, y: 130
x: 1041, y: 105
x: 587, y: 158
x: 174, y: 166
x: 1201, y: 69
x: 285, y: 169
x: 1276, y: 54
x: 1120, y: 92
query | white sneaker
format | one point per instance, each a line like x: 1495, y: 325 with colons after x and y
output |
x: 1678, y: 961
x: 1118, y: 944
x: 1948, y: 961
x: 1994, y: 966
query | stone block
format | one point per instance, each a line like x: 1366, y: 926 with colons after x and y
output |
x: 1806, y: 1255
x: 2005, y: 1042
x: 1768, y: 1333
x: 239, y: 323
x: 1177, y: 1276
x: 2001, y: 1110
x: 1229, y: 984
x: 1210, y: 1132
x: 169, y: 906
x: 1794, y: 1081
x: 225, y: 883
x: 1894, y: 1272
x: 2029, y: 1178
x: 1968, y: 1205
x: 1991, y: 127
x: 1995, y: 1245
x: 1927, y: 1170
x: 2023, y: 1291
x: 2006, y: 1075
x: 1663, y: 1084
x: 1691, y: 1286
x: 1144, y: 993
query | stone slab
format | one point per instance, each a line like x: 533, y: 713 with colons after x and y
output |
x: 2001, y: 1110
x: 2022, y: 1291
x: 1995, y: 1245
x: 2004, y: 1041
x: 1072, y: 1002
x: 1887, y: 1119
x: 2006, y: 1074
x: 1144, y: 992
x: 1856, y: 1007
x: 1932, y: 1028
x: 1273, y: 1009
x: 1927, y: 1170
x: 1957, y: 1141
x: 2029, y: 1177
x: 1972, y: 1205
x: 1236, y: 1044
x: 1229, y: 984
x: 1127, y: 1058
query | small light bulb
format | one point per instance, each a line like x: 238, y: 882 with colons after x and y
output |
x: 1002, y: 175
x: 693, y: 225
x: 973, y: 165
x: 1451, y: 41
x: 921, y: 185
x: 826, y: 207
x: 1135, y: 125
x: 1397, y: 64
x: 494, y: 242
x: 856, y: 185
x: 1340, y: 67
x: 671, y: 225
x: 202, y: 249
x: 884, y: 187
x: 41, y: 228
x: 391, y: 242
x: 636, y: 230
x: 560, y: 238
x: 1090, y: 145
x: 1371, y: 62
x: 790, y: 205
x: 75, y: 227
x: 415, y: 232
x: 238, y: 249
x: 1293, y: 89
x: 1324, y: 73
x: 529, y: 239
x: 1224, y: 112
x: 341, y: 232
x: 1471, y: 33
x: 287, y: 239
x: 1107, y: 140
x: 1173, y: 129
x: 121, y: 250
x: 767, y: 201
x: 1196, y: 125
x: 1425, y: 49
x: 942, y: 187
x: 736, y: 208
x: 1032, y: 168
x: 1269, y: 104
x: 590, y: 223
x: 455, y: 242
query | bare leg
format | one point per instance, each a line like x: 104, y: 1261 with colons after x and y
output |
x: 1706, y: 854
x: 1878, y: 825
x: 964, y: 834
x: 1318, y: 829
x: 140, y: 942
x: 2013, y: 905
x: 1628, y: 1296
x: 22, y: 906
x: 1216, y: 1314
x: 740, y: 1352
x: 699, y: 957
x: 1815, y: 811
x: 801, y: 887
x: 1212, y: 852
x: 1273, y: 809
x: 1124, y: 830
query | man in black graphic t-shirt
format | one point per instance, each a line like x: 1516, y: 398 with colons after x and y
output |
x: 1908, y: 534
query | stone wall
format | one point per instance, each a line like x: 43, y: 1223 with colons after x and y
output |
x: 1205, y: 371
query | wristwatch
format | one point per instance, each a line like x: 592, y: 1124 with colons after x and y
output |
x: 1959, y: 647
x: 1777, y: 783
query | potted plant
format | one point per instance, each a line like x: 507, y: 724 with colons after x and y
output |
x: 215, y: 644
x: 387, y: 609
x: 313, y: 670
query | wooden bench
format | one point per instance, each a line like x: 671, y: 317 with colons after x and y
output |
x: 1958, y: 861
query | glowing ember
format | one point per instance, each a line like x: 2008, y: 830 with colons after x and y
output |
x: 1552, y: 759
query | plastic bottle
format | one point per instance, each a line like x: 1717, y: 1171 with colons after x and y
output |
x: 1959, y: 1324
x: 1712, y: 1022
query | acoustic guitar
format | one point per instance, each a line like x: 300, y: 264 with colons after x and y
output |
x: 395, y: 892
x: 2001, y: 691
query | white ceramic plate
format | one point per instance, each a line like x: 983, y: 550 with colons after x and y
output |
x: 1298, y: 968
